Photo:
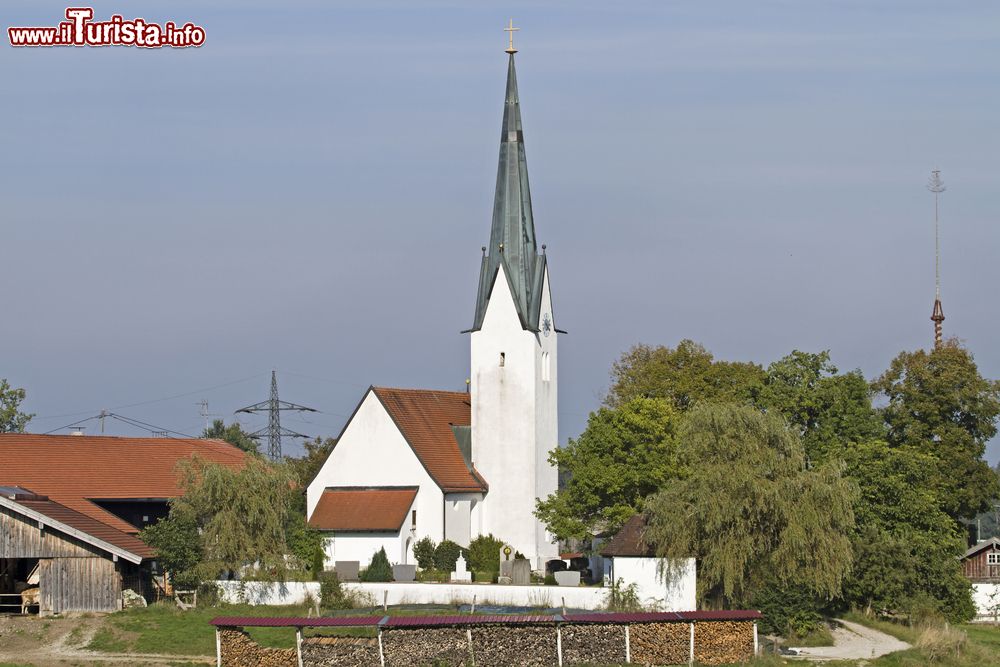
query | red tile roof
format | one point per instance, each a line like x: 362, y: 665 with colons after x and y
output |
x: 72, y: 469
x: 629, y: 541
x: 363, y: 509
x: 425, y: 418
x: 85, y: 524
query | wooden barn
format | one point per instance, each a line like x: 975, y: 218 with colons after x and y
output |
x: 981, y: 562
x: 77, y: 562
x: 71, y: 508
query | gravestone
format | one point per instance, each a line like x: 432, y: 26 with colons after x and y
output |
x: 461, y: 573
x: 506, y: 562
x: 521, y: 572
x: 347, y: 570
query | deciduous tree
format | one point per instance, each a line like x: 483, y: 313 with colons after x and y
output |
x: 906, y: 548
x: 233, y: 434
x: 625, y: 454
x: 683, y: 375
x: 12, y: 420
x: 826, y: 407
x: 938, y: 404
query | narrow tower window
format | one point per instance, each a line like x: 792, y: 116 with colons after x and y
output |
x: 503, y: 359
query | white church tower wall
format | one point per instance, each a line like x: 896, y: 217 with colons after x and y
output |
x: 514, y: 422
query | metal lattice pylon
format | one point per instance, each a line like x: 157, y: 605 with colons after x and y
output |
x: 274, y: 432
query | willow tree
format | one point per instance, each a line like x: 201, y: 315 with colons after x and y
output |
x: 748, y: 509
x: 240, y: 516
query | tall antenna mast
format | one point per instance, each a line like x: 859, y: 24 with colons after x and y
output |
x: 936, y: 185
x: 274, y: 432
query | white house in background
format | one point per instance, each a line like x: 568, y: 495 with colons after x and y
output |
x: 632, y: 561
x: 477, y: 460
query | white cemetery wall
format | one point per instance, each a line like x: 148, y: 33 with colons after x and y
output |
x: 677, y: 593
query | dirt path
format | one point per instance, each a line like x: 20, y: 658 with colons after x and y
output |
x: 60, y: 642
x: 852, y: 641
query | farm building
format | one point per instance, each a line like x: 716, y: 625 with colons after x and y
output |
x: 659, y: 584
x: 71, y: 508
x: 981, y: 565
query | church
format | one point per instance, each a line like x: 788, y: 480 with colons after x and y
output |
x: 414, y: 463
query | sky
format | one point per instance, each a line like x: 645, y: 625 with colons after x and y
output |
x: 309, y: 190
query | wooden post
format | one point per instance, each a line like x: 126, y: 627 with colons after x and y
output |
x: 468, y: 636
x: 691, y: 659
x: 218, y: 648
x: 381, y: 653
x: 756, y: 645
x: 473, y: 605
x: 559, y: 644
x: 628, y: 645
x: 385, y: 600
x: 298, y: 645
x: 564, y: 606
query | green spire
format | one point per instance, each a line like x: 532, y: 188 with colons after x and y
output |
x: 512, y: 236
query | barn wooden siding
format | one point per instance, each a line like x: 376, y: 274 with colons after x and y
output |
x: 78, y: 584
x: 73, y: 575
x: 977, y: 569
x: 22, y: 538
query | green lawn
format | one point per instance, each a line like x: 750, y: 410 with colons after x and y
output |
x: 165, y: 629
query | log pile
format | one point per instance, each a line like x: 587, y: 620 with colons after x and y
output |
x: 500, y: 646
x: 593, y: 643
x: 723, y: 642
x: 426, y: 646
x: 239, y: 650
x: 660, y: 643
x: 340, y: 652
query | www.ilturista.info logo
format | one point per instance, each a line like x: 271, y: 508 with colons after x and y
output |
x: 80, y: 30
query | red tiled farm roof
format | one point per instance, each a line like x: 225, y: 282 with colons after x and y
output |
x: 72, y: 470
x: 363, y: 509
x: 425, y: 418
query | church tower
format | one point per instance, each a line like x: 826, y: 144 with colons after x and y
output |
x: 513, y: 371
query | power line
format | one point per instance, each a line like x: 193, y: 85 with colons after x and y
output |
x: 155, y: 400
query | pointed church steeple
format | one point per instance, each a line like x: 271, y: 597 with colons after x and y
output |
x: 512, y: 235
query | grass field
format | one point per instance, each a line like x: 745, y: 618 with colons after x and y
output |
x: 165, y: 629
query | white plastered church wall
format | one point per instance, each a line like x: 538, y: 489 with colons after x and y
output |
x: 512, y: 430
x: 546, y: 419
x: 372, y: 452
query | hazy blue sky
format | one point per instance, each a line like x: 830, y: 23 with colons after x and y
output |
x: 310, y: 189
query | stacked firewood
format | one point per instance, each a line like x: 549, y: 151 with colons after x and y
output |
x: 239, y: 650
x: 660, y: 643
x: 590, y: 643
x: 499, y: 646
x: 723, y: 642
x: 426, y: 646
x: 340, y: 652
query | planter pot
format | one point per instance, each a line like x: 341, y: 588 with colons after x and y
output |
x: 404, y: 572
x: 568, y: 578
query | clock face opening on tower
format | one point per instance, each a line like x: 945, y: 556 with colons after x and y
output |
x: 546, y: 325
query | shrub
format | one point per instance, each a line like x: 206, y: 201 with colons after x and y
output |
x: 550, y: 580
x: 423, y: 551
x: 430, y: 574
x: 446, y: 554
x: 379, y: 569
x: 621, y: 597
x: 484, y: 553
x: 331, y: 594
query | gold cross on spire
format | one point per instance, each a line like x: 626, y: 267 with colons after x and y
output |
x: 510, y: 30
